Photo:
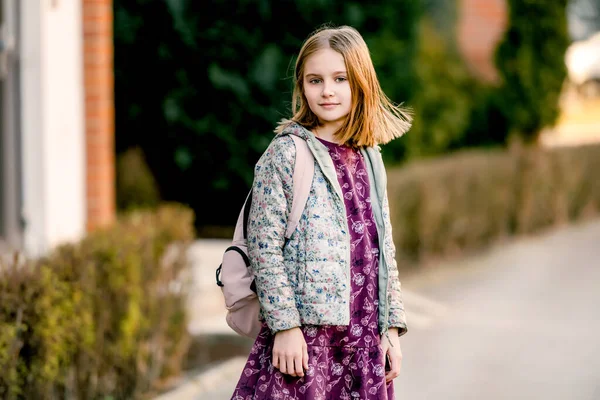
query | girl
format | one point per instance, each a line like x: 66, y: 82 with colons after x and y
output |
x: 330, y: 296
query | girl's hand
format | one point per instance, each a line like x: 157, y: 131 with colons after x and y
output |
x: 290, y: 352
x: 393, y: 354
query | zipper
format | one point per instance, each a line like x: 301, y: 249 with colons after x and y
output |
x: 349, y: 271
x: 348, y: 256
x: 344, y: 223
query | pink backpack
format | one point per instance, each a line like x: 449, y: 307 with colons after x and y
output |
x: 234, y: 275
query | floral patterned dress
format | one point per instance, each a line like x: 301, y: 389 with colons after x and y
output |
x: 345, y: 362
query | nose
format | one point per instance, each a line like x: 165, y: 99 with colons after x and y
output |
x: 327, y: 91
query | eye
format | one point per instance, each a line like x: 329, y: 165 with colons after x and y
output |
x: 341, y: 79
x: 314, y: 81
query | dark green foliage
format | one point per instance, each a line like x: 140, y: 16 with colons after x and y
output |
x: 488, y: 126
x: 530, y: 60
x: 200, y: 85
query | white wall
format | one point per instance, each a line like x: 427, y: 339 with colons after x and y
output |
x: 52, y: 115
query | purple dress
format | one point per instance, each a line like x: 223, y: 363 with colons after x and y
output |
x: 345, y: 362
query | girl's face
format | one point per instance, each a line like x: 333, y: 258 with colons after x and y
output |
x: 326, y: 87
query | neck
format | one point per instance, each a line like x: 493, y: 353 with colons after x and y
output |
x: 326, y: 132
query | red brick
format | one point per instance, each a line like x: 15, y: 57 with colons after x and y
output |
x: 481, y: 24
x: 98, y: 54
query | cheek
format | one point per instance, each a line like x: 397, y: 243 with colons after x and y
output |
x: 310, y: 94
x: 312, y: 100
x: 347, y: 93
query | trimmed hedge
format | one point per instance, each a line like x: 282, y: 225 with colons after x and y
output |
x: 101, y: 318
x: 467, y: 201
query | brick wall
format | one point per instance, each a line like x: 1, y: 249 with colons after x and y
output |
x: 99, y: 111
x: 481, y: 24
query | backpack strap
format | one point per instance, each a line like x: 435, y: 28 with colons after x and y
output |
x: 304, y: 170
x: 246, y: 212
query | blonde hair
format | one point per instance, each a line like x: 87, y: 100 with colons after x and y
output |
x: 373, y: 119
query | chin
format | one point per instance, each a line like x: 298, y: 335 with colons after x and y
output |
x: 327, y: 119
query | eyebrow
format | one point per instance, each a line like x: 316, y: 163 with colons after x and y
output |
x: 335, y: 73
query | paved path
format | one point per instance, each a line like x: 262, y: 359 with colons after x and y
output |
x: 518, y: 322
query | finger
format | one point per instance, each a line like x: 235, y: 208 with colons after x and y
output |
x: 391, y: 375
x: 388, y: 368
x: 282, y: 365
x: 290, y: 365
x: 395, y: 364
x: 275, y: 360
x: 298, y: 365
x: 305, y: 358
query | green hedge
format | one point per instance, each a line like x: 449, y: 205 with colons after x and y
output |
x: 467, y: 201
x: 101, y: 318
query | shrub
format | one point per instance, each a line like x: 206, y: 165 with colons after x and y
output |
x: 467, y: 201
x: 41, y: 324
x: 101, y: 317
x: 136, y: 186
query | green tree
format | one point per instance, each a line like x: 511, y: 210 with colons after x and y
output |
x: 530, y: 60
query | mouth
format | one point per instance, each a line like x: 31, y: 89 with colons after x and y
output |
x: 329, y: 104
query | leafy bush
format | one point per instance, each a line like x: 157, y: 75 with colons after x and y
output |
x: 467, y: 201
x: 136, y: 186
x: 42, y: 322
x: 101, y: 317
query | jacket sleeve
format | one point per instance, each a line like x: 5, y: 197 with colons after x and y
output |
x: 271, y: 203
x: 397, y: 316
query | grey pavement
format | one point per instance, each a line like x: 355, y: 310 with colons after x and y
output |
x: 519, y: 321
